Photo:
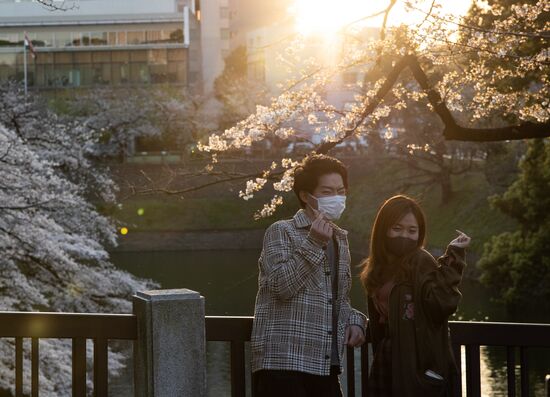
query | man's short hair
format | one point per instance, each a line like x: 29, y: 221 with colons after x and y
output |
x: 307, y: 174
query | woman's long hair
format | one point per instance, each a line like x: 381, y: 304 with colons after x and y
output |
x: 377, y: 268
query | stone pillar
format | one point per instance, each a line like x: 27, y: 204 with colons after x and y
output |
x: 169, y: 353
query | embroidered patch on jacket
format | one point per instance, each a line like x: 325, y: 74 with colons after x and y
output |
x: 408, y: 308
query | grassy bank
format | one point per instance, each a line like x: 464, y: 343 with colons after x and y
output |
x: 468, y: 210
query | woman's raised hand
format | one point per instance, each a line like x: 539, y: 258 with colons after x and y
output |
x: 462, y: 241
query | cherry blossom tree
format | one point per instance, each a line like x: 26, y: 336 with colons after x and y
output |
x: 52, y: 238
x: 121, y: 118
x: 459, y: 77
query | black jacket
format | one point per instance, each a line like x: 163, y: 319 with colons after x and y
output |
x: 418, y: 324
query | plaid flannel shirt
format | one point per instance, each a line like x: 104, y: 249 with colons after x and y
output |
x: 293, y: 314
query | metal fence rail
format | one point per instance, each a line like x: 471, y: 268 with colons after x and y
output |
x: 470, y: 334
x: 78, y: 327
x: 237, y: 330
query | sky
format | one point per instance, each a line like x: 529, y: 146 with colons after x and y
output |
x: 320, y: 16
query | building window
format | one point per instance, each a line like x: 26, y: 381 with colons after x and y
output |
x: 121, y: 38
x: 111, y: 38
x: 9, y: 39
x: 153, y: 36
x: 225, y: 34
x: 158, y: 57
x: 63, y: 39
x: 76, y: 38
x: 136, y: 37
x: 176, y: 36
x: 98, y: 38
x: 41, y: 39
x: 85, y: 38
x: 224, y: 13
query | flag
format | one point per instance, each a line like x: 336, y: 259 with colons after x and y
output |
x: 29, y: 45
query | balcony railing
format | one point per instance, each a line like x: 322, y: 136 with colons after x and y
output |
x: 100, y: 328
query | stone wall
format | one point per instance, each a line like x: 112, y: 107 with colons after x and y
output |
x: 191, y: 240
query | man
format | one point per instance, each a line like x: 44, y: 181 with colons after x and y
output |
x: 303, y: 318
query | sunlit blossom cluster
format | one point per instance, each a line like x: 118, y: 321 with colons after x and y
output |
x: 270, y: 208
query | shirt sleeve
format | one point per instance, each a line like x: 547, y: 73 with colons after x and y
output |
x: 357, y: 318
x: 440, y: 293
x: 288, y: 268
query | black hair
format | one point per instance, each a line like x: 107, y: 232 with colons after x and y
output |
x: 377, y: 265
x: 307, y: 174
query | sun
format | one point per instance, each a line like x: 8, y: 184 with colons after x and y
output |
x: 326, y: 17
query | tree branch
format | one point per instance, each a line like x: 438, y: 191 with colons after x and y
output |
x: 371, y: 105
x: 452, y: 131
x: 232, y: 178
x: 455, y: 132
x: 49, y: 4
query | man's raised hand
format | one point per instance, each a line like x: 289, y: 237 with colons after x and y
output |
x: 321, y: 229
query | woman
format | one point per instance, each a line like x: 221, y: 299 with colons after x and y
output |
x: 410, y: 298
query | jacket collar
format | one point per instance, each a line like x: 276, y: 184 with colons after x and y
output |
x: 302, y: 221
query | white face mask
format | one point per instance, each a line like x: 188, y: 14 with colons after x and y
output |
x: 331, y: 206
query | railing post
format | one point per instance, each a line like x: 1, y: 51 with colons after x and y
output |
x: 169, y: 353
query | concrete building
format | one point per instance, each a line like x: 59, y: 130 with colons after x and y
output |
x: 270, y: 62
x: 225, y: 25
x: 216, y: 35
x: 102, y: 42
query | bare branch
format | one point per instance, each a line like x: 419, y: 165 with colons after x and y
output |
x: 371, y: 105
x: 427, y: 15
x: 386, y: 15
x: 51, y: 6
x: 228, y: 178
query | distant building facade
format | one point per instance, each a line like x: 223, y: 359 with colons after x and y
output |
x: 216, y: 35
x: 225, y: 25
x: 269, y: 63
x: 102, y: 43
x: 267, y: 49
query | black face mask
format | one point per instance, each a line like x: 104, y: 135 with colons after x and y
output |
x: 400, y: 246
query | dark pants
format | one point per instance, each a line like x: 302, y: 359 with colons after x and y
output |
x: 275, y: 383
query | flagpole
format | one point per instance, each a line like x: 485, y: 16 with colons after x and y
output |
x: 25, y: 63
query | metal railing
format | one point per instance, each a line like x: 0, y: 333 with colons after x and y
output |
x: 470, y: 334
x: 78, y: 327
x: 237, y: 330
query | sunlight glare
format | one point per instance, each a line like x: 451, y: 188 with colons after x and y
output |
x: 326, y: 17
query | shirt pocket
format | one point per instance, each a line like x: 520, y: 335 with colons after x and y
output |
x: 315, y: 280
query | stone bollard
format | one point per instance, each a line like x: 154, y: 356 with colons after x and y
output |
x: 169, y: 353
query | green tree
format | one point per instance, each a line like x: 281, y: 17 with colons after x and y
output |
x: 517, y: 264
x: 238, y: 94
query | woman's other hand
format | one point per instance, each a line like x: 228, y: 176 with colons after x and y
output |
x: 462, y: 241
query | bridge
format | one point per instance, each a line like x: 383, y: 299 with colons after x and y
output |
x: 159, y: 351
